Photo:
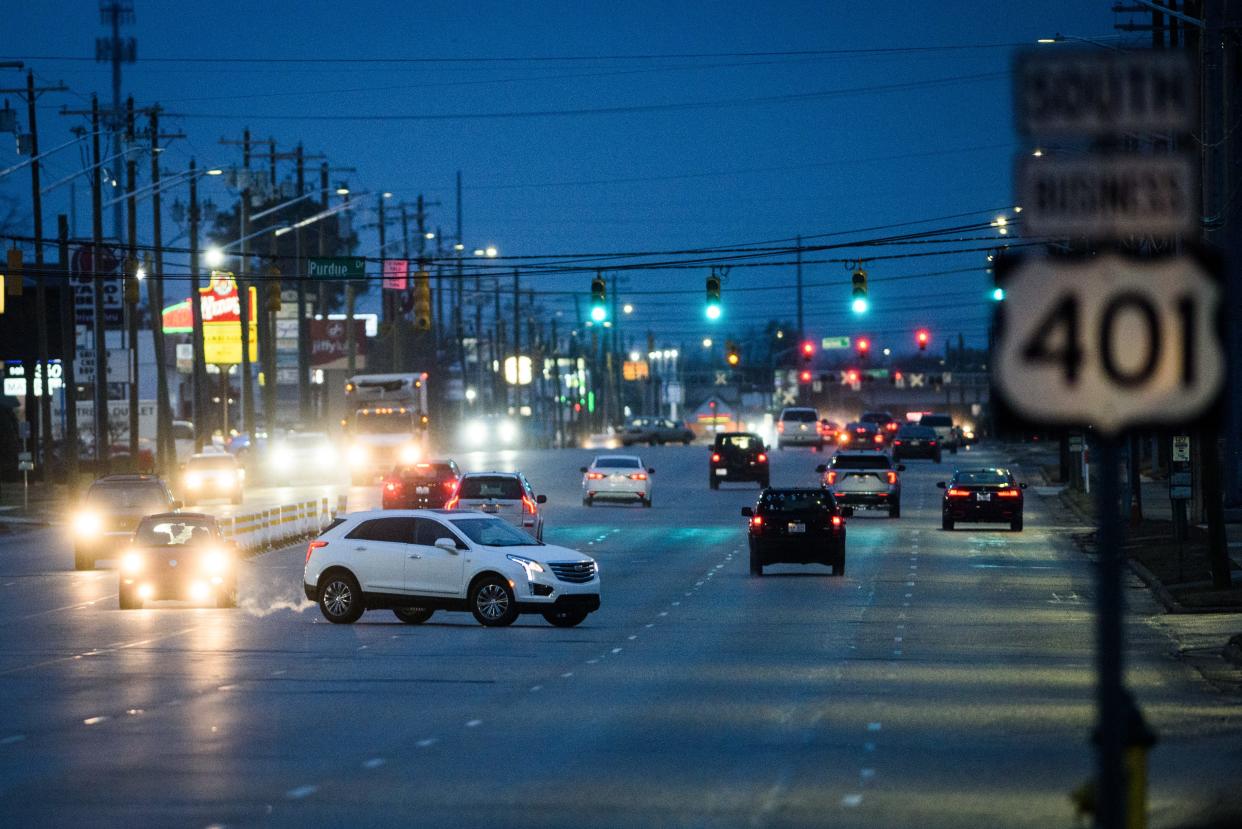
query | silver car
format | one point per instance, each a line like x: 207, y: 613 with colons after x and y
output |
x: 864, y: 479
x: 506, y: 495
x: 799, y: 426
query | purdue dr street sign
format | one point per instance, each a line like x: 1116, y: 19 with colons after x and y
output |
x: 1110, y: 341
x: 336, y: 267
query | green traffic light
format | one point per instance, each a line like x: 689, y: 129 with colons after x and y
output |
x: 599, y: 313
x: 998, y: 294
x: 860, y: 305
x: 712, y: 311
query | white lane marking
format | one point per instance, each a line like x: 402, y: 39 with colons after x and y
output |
x: 908, y: 595
x: 94, y: 720
x: 301, y: 792
x: 565, y: 675
x: 850, y: 800
x: 427, y: 743
x: 675, y: 604
x: 471, y: 723
x: 895, y: 638
x: 896, y: 651
x: 374, y: 762
x: 662, y: 612
x: 281, y: 672
x: 589, y: 661
x: 15, y: 738
x: 631, y: 638
x: 867, y: 746
x: 864, y: 774
x: 533, y: 688
x: 873, y: 726
x: 614, y: 650
x: 229, y: 687
x: 649, y: 624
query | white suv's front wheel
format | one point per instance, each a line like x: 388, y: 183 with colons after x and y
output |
x: 340, y: 598
x: 492, y: 602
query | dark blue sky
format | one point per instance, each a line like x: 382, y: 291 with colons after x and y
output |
x: 886, y: 143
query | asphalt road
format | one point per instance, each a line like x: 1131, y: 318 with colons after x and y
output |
x: 946, y: 681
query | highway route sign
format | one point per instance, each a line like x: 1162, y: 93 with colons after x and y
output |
x: 1181, y: 449
x: 1110, y: 341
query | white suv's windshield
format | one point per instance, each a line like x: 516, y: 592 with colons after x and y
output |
x: 493, y: 532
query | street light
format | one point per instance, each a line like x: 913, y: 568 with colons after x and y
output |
x: 707, y: 342
x: 627, y: 308
x: 213, y: 257
x: 491, y: 251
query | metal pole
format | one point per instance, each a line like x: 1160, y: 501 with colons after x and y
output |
x: 801, y: 329
x: 131, y: 310
x: 41, y: 314
x: 304, y: 405
x: 196, y: 318
x: 245, y: 386
x: 1110, y: 609
x: 102, y: 439
x: 68, y: 348
x: 165, y: 447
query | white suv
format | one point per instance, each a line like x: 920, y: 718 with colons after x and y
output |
x: 415, y: 562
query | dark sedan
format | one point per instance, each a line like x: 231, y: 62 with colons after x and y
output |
x: 797, y: 526
x: 982, y: 496
x: 656, y: 430
x: 912, y: 441
x: 423, y: 485
x: 178, y: 555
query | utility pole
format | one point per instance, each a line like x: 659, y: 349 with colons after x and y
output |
x: 243, y: 298
x: 801, y: 330
x: 69, y: 348
x: 129, y: 272
x: 116, y: 51
x: 196, y: 317
x: 165, y: 446
x: 102, y: 439
x: 517, y: 342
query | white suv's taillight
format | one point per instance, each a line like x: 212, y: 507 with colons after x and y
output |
x: 312, y: 547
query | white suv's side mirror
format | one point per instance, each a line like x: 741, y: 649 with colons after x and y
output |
x: 447, y: 544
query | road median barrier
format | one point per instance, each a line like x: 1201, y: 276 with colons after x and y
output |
x: 265, y: 529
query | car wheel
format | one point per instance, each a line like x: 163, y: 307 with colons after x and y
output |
x: 937, y: 458
x: 946, y: 523
x: 493, y: 603
x: 565, y: 618
x: 838, y: 566
x: 128, y: 599
x: 83, y: 561
x: 646, y: 502
x: 226, y: 596
x: 713, y: 483
x: 340, y: 598
x: 586, y: 502
x: 1016, y: 524
x: 756, y: 564
x: 413, y: 615
x: 953, y: 450
x: 685, y: 443
x: 894, y: 511
x: 765, y: 483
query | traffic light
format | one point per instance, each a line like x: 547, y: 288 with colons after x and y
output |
x: 599, y: 299
x: 713, y: 298
x: 998, y: 294
x: 732, y: 357
x: 863, y: 345
x: 273, y: 289
x: 804, y: 376
x: 422, y: 301
x: 13, y: 275
x: 861, y: 304
x: 922, y: 338
x: 132, y: 291
x: 808, y: 351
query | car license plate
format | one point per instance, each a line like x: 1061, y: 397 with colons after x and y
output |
x: 418, y: 490
x: 912, y: 443
x: 983, y: 496
x: 721, y: 472
x: 490, y: 507
x: 797, y: 528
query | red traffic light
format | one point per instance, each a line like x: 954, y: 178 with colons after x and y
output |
x: 922, y: 338
x: 851, y: 377
x: 863, y: 345
x: 808, y: 348
x: 805, y: 376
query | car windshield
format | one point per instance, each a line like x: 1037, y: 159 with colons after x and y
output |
x: 742, y: 443
x: 175, y: 533
x: 128, y: 496
x: 858, y: 426
x: 618, y: 463
x: 491, y: 486
x: 212, y: 462
x: 426, y: 471
x: 493, y: 532
x: 936, y: 420
x: 799, y: 415
x: 983, y: 477
x: 876, y: 461
x: 807, y: 500
x: 876, y: 417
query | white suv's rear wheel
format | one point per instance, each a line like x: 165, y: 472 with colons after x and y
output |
x: 493, y: 603
x: 413, y: 615
x: 340, y: 598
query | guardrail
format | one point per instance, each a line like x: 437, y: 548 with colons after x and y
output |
x: 264, y: 529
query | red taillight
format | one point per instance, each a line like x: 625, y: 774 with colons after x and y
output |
x: 595, y: 476
x: 529, y: 505
x: 638, y: 476
x: 879, y: 438
x: 836, y: 521
x: 931, y: 443
x: 763, y: 458
x: 1007, y: 493
x: 780, y: 425
x: 832, y: 477
x: 843, y: 437
x: 313, y: 546
x: 756, y: 521
x: 390, y: 486
x: 892, y: 477
x: 715, y: 457
x: 896, y: 443
x: 958, y: 493
x: 450, y: 485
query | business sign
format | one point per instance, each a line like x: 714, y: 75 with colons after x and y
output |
x: 1110, y: 341
x: 396, y: 274
x: 1108, y: 196
x: 831, y: 343
x: 220, y: 304
x: 15, y: 379
x: 89, y: 267
x: 1093, y: 93
x: 1181, y: 449
x: 329, y: 343
x: 336, y: 267
x: 185, y: 358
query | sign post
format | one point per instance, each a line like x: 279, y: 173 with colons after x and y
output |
x: 1107, y: 341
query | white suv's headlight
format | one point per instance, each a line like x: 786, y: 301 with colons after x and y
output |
x: 531, y: 566
x: 87, y: 523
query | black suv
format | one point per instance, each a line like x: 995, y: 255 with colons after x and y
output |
x: 736, y: 457
x: 110, y: 512
x: 797, y: 526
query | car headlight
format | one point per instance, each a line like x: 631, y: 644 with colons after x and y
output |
x: 193, y: 480
x: 281, y: 458
x: 324, y: 456
x: 475, y: 433
x: 506, y: 431
x: 215, y: 562
x: 87, y: 523
x: 357, y: 455
x: 132, y: 562
x: 241, y: 474
x: 531, y: 566
x: 410, y: 453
